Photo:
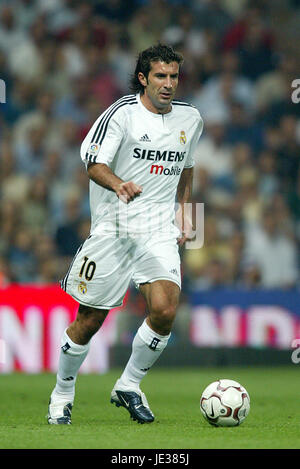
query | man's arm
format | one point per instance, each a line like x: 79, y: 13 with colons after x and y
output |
x: 184, y: 193
x: 184, y: 189
x: 101, y: 174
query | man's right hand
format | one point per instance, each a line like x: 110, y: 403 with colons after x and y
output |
x: 101, y: 174
x: 128, y: 191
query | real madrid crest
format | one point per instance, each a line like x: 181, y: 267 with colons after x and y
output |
x: 182, y: 137
x: 82, y: 287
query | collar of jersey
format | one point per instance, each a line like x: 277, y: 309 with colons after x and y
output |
x: 153, y: 114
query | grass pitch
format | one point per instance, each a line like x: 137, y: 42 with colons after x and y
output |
x: 273, y: 422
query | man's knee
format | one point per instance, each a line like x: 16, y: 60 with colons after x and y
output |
x: 162, y: 316
x: 92, y: 318
x: 88, y: 321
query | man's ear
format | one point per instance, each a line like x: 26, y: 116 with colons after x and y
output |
x: 143, y: 79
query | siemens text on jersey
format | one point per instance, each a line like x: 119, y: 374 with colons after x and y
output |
x: 158, y: 155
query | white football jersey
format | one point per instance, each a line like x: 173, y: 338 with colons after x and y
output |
x: 149, y: 149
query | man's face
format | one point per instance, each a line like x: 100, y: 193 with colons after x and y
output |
x: 161, y: 85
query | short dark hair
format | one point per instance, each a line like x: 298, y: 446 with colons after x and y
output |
x: 157, y: 53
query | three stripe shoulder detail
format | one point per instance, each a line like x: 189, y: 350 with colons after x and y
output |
x: 182, y: 103
x: 102, y: 126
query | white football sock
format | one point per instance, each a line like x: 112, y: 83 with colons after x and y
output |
x: 71, y: 358
x: 147, y: 346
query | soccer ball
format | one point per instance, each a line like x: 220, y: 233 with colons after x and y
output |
x: 225, y: 403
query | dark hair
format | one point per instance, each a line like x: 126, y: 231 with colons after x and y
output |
x: 159, y: 52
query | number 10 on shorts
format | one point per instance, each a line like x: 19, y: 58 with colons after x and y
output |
x: 87, y: 269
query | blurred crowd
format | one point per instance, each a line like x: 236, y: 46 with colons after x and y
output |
x: 65, y: 61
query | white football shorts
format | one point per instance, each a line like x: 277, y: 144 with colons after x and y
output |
x: 101, y: 271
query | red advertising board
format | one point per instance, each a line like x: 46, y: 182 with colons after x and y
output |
x: 32, y: 320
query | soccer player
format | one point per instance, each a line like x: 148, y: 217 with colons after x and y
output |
x: 139, y: 158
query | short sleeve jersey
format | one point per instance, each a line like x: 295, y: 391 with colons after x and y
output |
x: 147, y: 148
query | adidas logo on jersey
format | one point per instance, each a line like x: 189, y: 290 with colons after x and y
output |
x: 174, y: 271
x: 145, y: 138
